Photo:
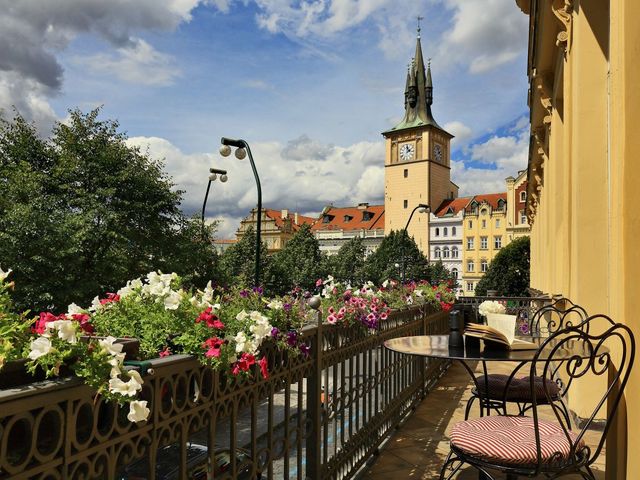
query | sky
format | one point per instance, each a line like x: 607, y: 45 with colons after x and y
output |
x: 309, y: 84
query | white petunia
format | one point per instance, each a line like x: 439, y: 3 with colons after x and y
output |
x: 138, y: 411
x: 66, y: 330
x: 116, y: 362
x: 134, y: 376
x: 172, y: 301
x: 385, y: 284
x: 109, y: 346
x: 275, y: 305
x: 95, y: 304
x: 74, y: 309
x: 128, y: 389
x: 39, y: 347
x: 241, y: 316
x: 4, y: 274
x: 240, y: 340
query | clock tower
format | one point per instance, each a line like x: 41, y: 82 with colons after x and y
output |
x: 417, y: 162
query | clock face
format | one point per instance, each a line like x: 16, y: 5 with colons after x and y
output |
x: 437, y: 152
x: 406, y: 151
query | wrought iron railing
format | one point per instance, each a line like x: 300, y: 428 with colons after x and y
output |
x: 523, y: 307
x: 316, y: 417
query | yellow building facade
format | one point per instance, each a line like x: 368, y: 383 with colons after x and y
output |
x: 583, y: 173
x: 484, y: 234
x: 417, y: 159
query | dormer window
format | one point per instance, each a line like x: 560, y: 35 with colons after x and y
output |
x: 327, y: 218
x: 366, y: 216
x: 347, y: 218
x: 501, y: 204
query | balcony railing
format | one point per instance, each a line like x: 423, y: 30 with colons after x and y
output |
x: 318, y: 417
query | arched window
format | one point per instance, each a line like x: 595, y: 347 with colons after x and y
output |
x: 454, y: 273
x: 437, y: 232
x: 445, y: 252
x: 436, y: 252
x: 453, y: 231
x: 444, y: 231
x: 454, y: 252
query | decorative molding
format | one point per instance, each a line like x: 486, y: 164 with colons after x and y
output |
x: 563, y: 10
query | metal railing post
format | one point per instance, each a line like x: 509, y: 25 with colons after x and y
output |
x: 314, y: 407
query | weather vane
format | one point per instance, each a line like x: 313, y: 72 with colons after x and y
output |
x: 419, y: 18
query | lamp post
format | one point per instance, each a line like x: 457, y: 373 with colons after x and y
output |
x: 423, y: 207
x: 242, y: 149
x: 214, y: 172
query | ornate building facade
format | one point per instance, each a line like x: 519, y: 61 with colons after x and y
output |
x: 582, y: 192
x: 277, y: 226
x: 417, y: 159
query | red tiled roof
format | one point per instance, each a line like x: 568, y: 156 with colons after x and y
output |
x: 456, y: 205
x: 277, y: 216
x: 351, y: 218
x: 491, y: 198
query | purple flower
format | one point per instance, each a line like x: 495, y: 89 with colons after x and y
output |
x: 258, y: 290
x: 304, y: 349
x: 292, y: 338
x: 307, y: 294
x: 275, y: 332
x: 244, y: 293
x: 287, y: 307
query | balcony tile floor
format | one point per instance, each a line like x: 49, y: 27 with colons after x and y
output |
x: 419, y: 447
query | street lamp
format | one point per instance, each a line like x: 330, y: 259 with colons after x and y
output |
x: 242, y: 149
x: 213, y: 174
x: 423, y: 207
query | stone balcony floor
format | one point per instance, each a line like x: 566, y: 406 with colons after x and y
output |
x: 417, y: 450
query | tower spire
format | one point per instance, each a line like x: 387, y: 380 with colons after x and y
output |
x: 429, y: 85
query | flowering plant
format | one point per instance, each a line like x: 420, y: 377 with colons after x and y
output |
x: 14, y: 328
x: 491, y: 306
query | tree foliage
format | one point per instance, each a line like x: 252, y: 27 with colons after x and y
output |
x: 398, y: 254
x: 508, y: 273
x: 82, y: 212
x: 349, y: 264
x: 238, y: 262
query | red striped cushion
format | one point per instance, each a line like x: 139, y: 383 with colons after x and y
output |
x: 519, y: 388
x: 511, y: 440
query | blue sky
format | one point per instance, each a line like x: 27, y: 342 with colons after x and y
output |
x: 309, y: 84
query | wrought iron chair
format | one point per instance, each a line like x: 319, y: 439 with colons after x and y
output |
x: 494, y: 391
x: 531, y: 446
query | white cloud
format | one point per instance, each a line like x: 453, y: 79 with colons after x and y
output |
x: 140, y: 64
x: 503, y: 155
x: 462, y: 133
x: 303, y: 175
x: 485, y: 34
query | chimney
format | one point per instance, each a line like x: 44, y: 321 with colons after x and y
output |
x: 295, y: 218
x: 363, y: 206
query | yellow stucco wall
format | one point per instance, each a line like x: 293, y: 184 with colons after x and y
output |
x: 586, y: 228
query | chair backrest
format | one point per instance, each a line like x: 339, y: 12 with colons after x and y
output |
x: 559, y: 314
x: 572, y: 353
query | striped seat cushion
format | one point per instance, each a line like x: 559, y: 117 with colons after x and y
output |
x: 519, y: 389
x: 511, y: 440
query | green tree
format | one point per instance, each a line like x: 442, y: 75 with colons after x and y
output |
x: 396, y: 254
x: 437, y: 273
x: 82, y: 212
x: 348, y: 265
x: 299, y: 263
x: 239, y: 260
x: 508, y: 273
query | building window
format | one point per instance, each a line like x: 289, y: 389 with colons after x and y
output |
x: 470, y: 224
x: 453, y: 231
x: 470, y: 266
x: 484, y: 223
x: 406, y: 203
x: 469, y: 286
x: 523, y: 216
x: 523, y: 196
x: 444, y: 231
x: 436, y: 252
x: 484, y: 265
x: 454, y: 252
x: 437, y: 232
x: 469, y: 243
x: 497, y: 242
x: 497, y: 223
x: 454, y: 272
x: 445, y: 252
x: 406, y: 173
x: 483, y: 243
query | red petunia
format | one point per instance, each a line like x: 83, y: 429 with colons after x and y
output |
x: 111, y: 297
x: 264, y: 367
x: 164, y: 353
x: 244, y: 364
x: 40, y: 326
x: 446, y: 306
x: 85, y: 322
x: 211, y: 319
x: 213, y: 346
